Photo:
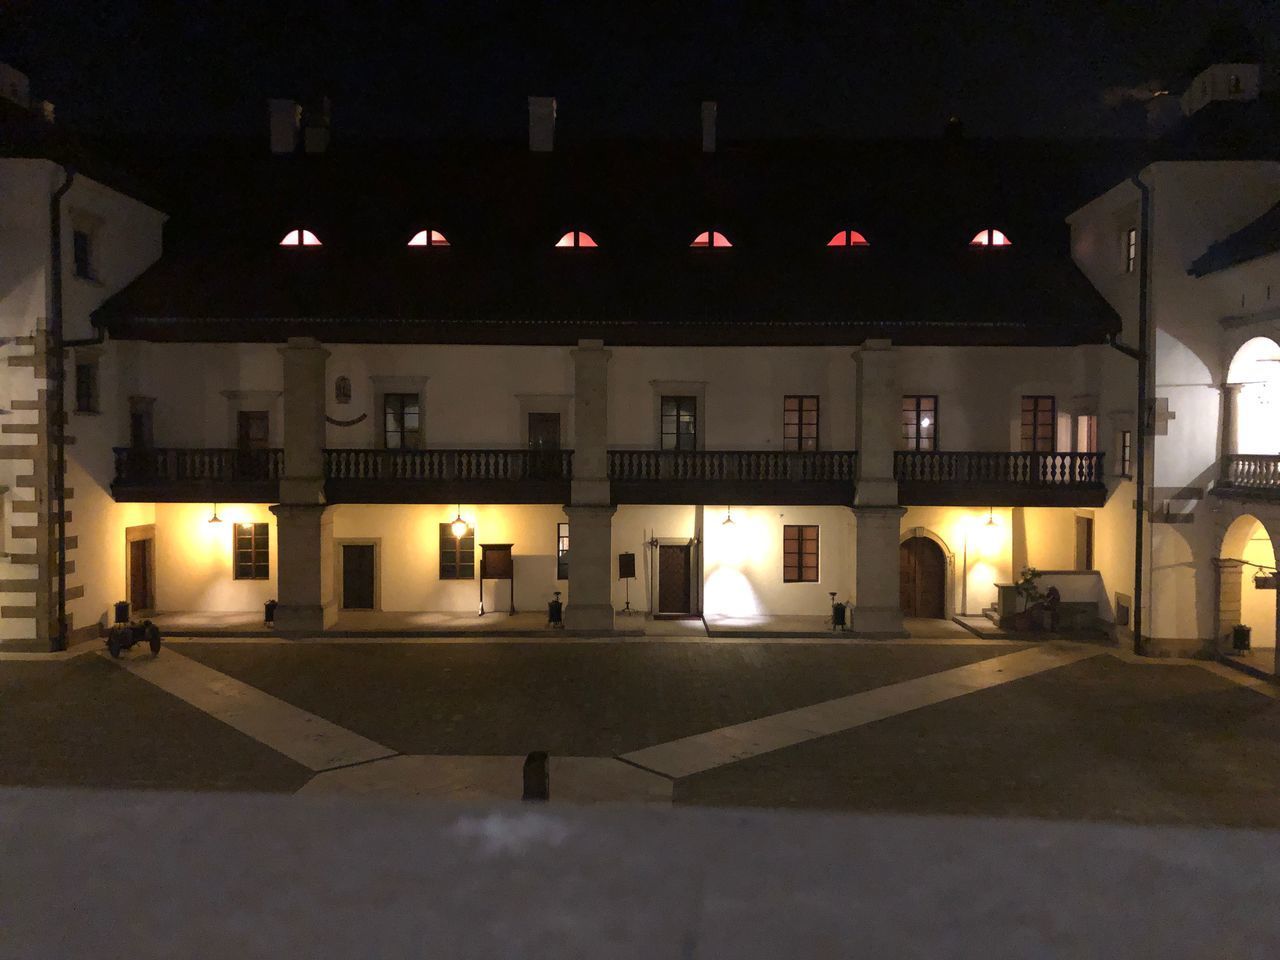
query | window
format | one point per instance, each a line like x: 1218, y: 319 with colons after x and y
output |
x: 300, y: 238
x: 562, y: 551
x: 342, y: 390
x: 428, y: 238
x: 800, y: 423
x: 457, y: 554
x: 920, y: 423
x: 1126, y: 453
x: 1039, y: 424
x: 989, y: 238
x: 86, y: 387
x: 1086, y: 433
x: 799, y: 554
x: 253, y: 551
x: 711, y: 238
x: 576, y: 238
x: 82, y: 253
x: 848, y: 238
x: 1130, y: 249
x: 400, y: 421
x: 679, y: 423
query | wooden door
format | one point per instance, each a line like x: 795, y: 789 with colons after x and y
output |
x: 1084, y: 543
x: 357, y: 576
x: 141, y: 595
x: 673, y: 579
x: 922, y: 581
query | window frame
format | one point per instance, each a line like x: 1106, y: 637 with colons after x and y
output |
x: 798, y: 571
x: 1131, y: 250
x: 1037, y: 409
x: 82, y: 254
x: 452, y: 549
x: 679, y: 401
x: 797, y: 443
x: 86, y: 386
x: 919, y: 443
x: 562, y: 550
x: 402, y: 398
x: 258, y: 565
x: 1126, y: 453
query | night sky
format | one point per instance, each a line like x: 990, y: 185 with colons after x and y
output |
x: 786, y: 68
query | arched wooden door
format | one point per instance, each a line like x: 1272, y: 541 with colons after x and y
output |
x: 922, y: 578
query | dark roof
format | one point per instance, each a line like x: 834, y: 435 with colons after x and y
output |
x: 502, y: 208
x: 1256, y: 239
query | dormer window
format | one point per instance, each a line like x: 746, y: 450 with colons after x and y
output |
x: 848, y: 238
x: 300, y: 238
x: 428, y: 238
x: 576, y: 238
x: 989, y: 237
x: 711, y: 238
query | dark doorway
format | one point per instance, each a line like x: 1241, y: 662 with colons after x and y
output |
x: 141, y: 591
x: 544, y: 446
x: 357, y: 576
x: 1084, y: 543
x: 673, y: 580
x: 252, y: 431
x: 922, y: 578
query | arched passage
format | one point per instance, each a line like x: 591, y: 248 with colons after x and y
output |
x: 1254, y: 374
x: 922, y: 583
x: 1247, y: 552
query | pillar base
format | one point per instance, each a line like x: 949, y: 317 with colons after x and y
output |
x: 878, y: 623
x: 588, y: 616
x: 303, y: 619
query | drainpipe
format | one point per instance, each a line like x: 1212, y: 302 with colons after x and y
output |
x: 58, y: 384
x: 1143, y: 358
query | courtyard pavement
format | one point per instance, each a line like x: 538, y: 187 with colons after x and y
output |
x: 946, y: 725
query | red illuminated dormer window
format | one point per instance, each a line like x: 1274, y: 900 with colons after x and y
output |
x: 576, y: 238
x: 989, y: 237
x: 848, y: 238
x: 300, y: 238
x: 711, y: 238
x: 428, y: 238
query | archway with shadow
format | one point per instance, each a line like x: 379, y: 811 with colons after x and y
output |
x: 1246, y: 568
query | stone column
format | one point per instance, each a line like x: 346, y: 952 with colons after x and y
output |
x: 877, y: 518
x: 304, y: 423
x: 304, y: 569
x: 1229, y: 599
x: 1230, y: 440
x: 590, y: 512
x: 304, y: 525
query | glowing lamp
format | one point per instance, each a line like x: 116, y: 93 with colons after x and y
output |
x: 925, y: 422
x: 459, y: 526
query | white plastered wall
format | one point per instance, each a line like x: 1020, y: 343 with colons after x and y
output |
x: 194, y: 569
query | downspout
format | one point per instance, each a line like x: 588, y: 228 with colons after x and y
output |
x: 1144, y: 353
x: 58, y: 385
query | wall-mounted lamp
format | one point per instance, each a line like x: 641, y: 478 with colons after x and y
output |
x: 215, y: 518
x: 991, y: 518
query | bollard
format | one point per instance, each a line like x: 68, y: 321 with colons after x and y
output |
x: 537, y: 776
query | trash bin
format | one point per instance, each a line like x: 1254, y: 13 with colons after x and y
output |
x: 837, y: 616
x: 269, y: 612
x: 1240, y: 635
x: 122, y: 611
x: 555, y: 611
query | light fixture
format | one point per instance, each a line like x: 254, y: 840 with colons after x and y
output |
x: 728, y: 517
x: 215, y: 518
x: 925, y: 422
x: 991, y: 520
x: 459, y: 526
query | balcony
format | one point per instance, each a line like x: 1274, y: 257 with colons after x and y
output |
x: 733, y: 476
x: 447, y: 476
x: 174, y: 475
x: 1249, y: 476
x: 976, y: 479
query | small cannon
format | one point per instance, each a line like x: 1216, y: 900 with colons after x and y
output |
x: 122, y: 636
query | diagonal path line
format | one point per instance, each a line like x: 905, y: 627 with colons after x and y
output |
x: 716, y: 748
x: 302, y: 737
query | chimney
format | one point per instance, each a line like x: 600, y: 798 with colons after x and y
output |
x: 542, y: 124
x: 708, y: 126
x: 15, y: 86
x: 315, y: 133
x: 286, y: 118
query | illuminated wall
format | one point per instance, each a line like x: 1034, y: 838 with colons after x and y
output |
x: 194, y: 558
x: 1258, y: 607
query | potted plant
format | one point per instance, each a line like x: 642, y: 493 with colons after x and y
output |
x: 1240, y: 635
x: 1028, y: 589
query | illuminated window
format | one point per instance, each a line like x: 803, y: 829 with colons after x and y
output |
x: 848, y: 238
x: 920, y: 423
x: 428, y: 238
x: 1130, y: 249
x: 300, y: 238
x: 1039, y: 424
x: 562, y: 551
x: 457, y: 554
x: 253, y: 551
x: 576, y: 238
x: 989, y: 238
x: 711, y: 238
x: 799, y: 423
x: 799, y: 554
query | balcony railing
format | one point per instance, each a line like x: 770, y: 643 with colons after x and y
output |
x: 732, y: 476
x: 1254, y: 473
x: 417, y: 476
x: 964, y: 478
x: 179, y: 473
